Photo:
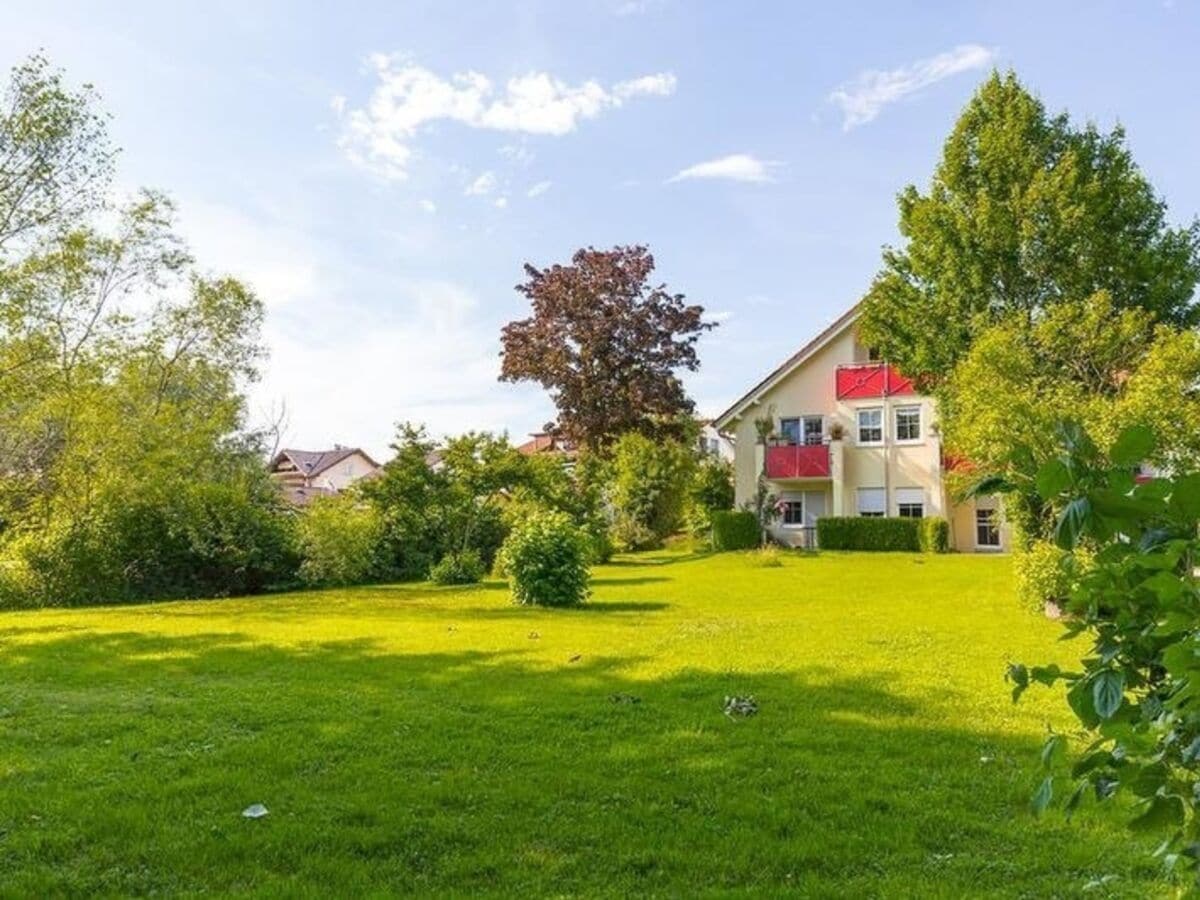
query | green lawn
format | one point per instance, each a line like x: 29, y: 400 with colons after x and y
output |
x: 406, y: 738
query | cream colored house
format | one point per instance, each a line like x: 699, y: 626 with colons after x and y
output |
x: 307, y: 474
x: 851, y: 437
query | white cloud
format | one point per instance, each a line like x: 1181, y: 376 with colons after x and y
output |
x: 862, y: 99
x: 481, y: 186
x: 428, y: 205
x: 735, y: 167
x: 433, y: 357
x: 538, y: 189
x: 501, y: 202
x: 408, y: 96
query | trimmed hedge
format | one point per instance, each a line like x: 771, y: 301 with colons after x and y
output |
x: 734, y: 530
x: 930, y: 535
x: 934, y: 535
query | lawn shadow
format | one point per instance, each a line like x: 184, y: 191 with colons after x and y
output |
x: 503, y: 771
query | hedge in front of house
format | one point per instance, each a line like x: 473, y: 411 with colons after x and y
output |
x: 734, y: 530
x: 868, y: 533
x: 933, y: 534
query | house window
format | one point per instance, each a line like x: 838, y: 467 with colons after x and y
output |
x: 793, y: 513
x: 987, y: 524
x: 789, y: 431
x: 871, y: 502
x: 908, y: 424
x: 873, y: 354
x: 870, y: 425
x: 812, y: 429
x: 910, y: 503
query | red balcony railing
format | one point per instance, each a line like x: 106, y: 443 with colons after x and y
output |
x: 798, y: 461
x: 868, y: 380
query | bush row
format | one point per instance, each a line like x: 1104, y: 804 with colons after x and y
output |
x: 734, y: 530
x: 878, y: 533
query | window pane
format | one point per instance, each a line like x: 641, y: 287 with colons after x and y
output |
x: 813, y: 429
x: 911, y: 510
x: 789, y: 430
x: 870, y: 426
x: 908, y: 423
x: 987, y: 531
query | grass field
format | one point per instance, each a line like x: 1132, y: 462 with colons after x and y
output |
x: 406, y: 738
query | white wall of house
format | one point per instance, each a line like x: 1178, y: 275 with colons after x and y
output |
x: 345, y: 472
x: 904, y: 467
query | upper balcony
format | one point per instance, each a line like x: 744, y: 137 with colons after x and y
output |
x: 865, y: 381
x: 797, y: 461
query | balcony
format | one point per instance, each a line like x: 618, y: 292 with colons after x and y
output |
x: 863, y: 381
x: 797, y: 461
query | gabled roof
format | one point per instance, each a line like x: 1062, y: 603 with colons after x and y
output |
x: 844, y: 321
x: 312, y: 462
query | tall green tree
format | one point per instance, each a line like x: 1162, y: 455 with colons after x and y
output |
x: 1025, y: 211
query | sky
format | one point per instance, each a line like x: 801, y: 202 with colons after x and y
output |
x: 381, y: 172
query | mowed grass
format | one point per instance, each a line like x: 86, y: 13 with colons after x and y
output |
x: 407, y: 738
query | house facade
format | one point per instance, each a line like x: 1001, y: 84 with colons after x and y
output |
x: 712, y: 442
x: 304, y: 475
x: 850, y: 437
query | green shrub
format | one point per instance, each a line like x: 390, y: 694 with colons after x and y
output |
x: 767, y: 557
x: 933, y: 535
x: 341, y: 542
x: 648, y: 489
x: 546, y: 561
x: 464, y: 567
x: 151, y: 543
x: 1045, y: 574
x: 734, y: 530
x: 868, y: 533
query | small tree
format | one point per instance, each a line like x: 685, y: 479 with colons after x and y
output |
x: 546, y: 561
x: 341, y: 541
x: 606, y: 344
x: 711, y: 490
x: 650, y: 480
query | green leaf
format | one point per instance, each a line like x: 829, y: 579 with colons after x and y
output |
x: 1165, y: 585
x: 1090, y: 762
x: 1162, y: 812
x: 1042, y: 796
x: 1071, y: 522
x: 1185, y: 498
x: 1052, y: 479
x: 1018, y: 674
x: 1054, y: 744
x: 1076, y: 798
x: 988, y: 485
x: 1108, y: 691
x: 1080, y: 699
x: 1132, y: 446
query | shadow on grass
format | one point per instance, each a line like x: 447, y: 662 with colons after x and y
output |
x: 129, y: 757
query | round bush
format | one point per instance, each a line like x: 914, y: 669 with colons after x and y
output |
x: 464, y: 567
x: 1046, y: 574
x: 546, y: 561
x: 340, y: 541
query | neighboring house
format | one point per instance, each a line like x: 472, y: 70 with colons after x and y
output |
x: 713, y: 443
x: 852, y: 437
x: 306, y: 474
x: 548, y: 442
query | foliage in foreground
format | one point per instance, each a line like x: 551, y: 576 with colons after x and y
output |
x: 546, y: 561
x: 1137, y: 692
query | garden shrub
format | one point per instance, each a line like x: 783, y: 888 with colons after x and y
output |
x: 868, y: 533
x: 546, y: 561
x: 341, y: 542
x: 648, y: 489
x: 1046, y: 574
x: 768, y: 557
x: 933, y: 535
x: 463, y: 567
x: 734, y: 530
x: 711, y: 489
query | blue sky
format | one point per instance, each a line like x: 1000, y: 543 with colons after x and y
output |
x: 381, y: 171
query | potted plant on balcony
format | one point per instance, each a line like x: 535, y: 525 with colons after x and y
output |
x: 837, y: 431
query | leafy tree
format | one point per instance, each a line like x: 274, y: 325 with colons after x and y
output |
x: 606, y: 344
x: 129, y: 471
x: 711, y: 489
x: 1025, y: 211
x: 1138, y: 600
x: 1107, y: 367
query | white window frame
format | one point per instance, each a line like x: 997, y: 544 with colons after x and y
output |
x: 858, y: 426
x: 881, y: 512
x: 799, y: 420
x: 805, y: 421
x: 911, y: 407
x: 987, y: 505
x: 803, y: 504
